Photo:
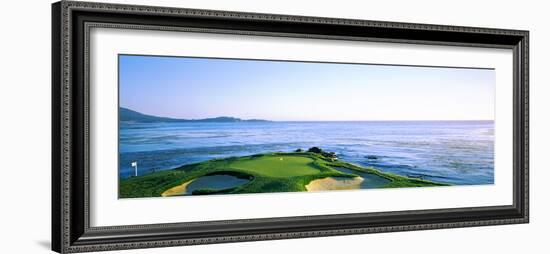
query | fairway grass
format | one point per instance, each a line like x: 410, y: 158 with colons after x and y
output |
x: 274, y: 172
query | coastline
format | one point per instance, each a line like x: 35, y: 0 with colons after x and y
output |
x: 413, y: 149
x: 267, y: 173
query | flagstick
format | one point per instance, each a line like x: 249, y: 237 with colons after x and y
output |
x: 134, y: 164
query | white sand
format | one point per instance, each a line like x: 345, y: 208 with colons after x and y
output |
x: 177, y: 190
x: 332, y: 183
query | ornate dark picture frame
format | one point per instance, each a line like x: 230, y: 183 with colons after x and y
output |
x: 71, y: 22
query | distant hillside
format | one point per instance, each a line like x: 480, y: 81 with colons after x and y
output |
x: 128, y: 115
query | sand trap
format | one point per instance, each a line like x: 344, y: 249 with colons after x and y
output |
x: 177, y: 190
x: 335, y: 183
x: 210, y: 182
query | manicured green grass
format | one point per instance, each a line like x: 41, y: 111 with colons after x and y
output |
x: 275, y: 172
x: 277, y: 166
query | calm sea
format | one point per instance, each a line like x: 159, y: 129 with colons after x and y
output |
x: 457, y: 152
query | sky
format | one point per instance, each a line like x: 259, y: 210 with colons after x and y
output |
x: 196, y: 88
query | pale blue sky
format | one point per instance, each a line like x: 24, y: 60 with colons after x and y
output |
x: 196, y: 88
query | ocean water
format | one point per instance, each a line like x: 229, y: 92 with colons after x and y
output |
x: 456, y: 152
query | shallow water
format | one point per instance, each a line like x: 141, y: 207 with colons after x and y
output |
x: 456, y: 152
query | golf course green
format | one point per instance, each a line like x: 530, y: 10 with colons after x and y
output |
x: 263, y: 173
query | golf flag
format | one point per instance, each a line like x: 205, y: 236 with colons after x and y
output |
x: 134, y: 164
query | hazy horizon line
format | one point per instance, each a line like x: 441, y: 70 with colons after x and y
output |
x: 269, y: 120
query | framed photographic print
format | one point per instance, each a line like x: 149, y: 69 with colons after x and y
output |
x: 181, y: 126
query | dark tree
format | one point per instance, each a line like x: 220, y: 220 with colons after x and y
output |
x: 315, y: 150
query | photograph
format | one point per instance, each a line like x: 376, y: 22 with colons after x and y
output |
x: 204, y: 126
